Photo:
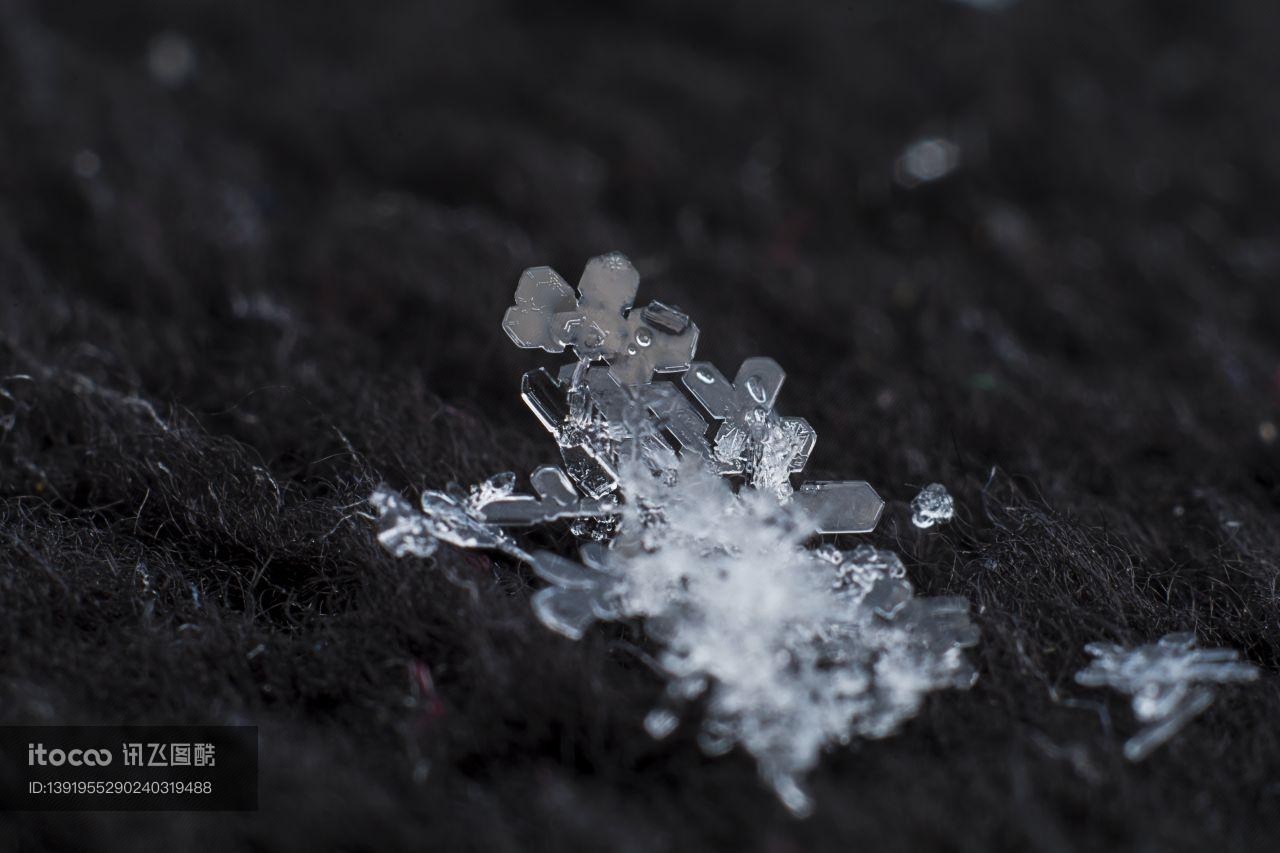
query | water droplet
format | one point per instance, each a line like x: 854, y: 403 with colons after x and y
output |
x: 643, y: 337
x: 704, y: 375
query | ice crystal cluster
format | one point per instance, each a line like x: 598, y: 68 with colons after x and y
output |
x: 1170, y: 682
x: 678, y: 483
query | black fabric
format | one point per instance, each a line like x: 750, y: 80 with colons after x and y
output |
x: 236, y: 302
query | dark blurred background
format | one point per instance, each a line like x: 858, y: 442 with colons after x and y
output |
x: 253, y: 257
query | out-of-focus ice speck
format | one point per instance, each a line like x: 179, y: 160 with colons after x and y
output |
x: 660, y: 722
x: 242, y: 218
x: 1170, y: 682
x: 86, y: 164
x: 926, y: 160
x: 932, y: 506
x: 171, y: 59
x: 983, y: 382
x: 260, y: 306
x: 1268, y: 432
x: 1010, y: 231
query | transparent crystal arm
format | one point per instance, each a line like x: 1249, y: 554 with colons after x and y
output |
x: 554, y: 498
x: 758, y: 381
x: 844, y: 506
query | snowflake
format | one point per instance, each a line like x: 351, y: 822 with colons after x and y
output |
x: 681, y: 489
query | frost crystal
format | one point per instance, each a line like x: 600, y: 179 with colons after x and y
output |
x: 680, y: 484
x: 1168, y: 681
x: 932, y: 506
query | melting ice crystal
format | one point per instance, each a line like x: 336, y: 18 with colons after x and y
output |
x: 679, y: 483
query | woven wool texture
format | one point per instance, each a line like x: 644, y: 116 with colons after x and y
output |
x: 253, y: 259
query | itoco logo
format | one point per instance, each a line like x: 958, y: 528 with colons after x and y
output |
x: 37, y: 754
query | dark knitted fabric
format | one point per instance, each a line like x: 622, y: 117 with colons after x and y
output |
x: 241, y: 286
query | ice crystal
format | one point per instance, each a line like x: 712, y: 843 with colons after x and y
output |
x: 796, y: 649
x: 680, y: 487
x: 1169, y: 681
x: 752, y: 440
x: 445, y: 517
x: 598, y: 322
x: 932, y: 506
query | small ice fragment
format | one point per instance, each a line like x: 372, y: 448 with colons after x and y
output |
x: 932, y: 506
x: 714, y: 739
x: 926, y: 160
x: 1168, y: 680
